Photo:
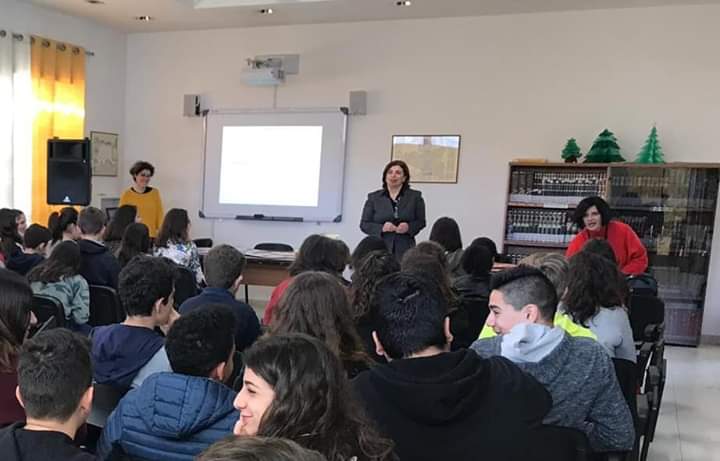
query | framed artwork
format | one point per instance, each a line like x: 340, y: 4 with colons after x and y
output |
x: 104, y: 153
x: 431, y: 158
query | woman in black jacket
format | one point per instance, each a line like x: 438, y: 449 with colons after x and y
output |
x: 396, y: 212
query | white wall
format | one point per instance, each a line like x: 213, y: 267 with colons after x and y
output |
x: 512, y: 86
x: 105, y: 72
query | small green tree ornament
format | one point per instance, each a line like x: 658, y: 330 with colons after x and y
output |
x: 571, y: 152
x: 651, y: 151
x: 605, y: 149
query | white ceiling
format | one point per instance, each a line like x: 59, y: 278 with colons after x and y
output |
x: 209, y: 14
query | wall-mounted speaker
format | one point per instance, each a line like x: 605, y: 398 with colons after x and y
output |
x: 68, y: 172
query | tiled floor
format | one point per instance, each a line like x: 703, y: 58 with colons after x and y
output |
x: 689, y: 424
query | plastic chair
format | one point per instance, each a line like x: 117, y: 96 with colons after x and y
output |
x: 203, y: 243
x: 45, y: 307
x: 267, y: 246
x: 648, y: 410
x: 105, y: 399
x: 561, y: 444
x: 105, y: 308
x: 644, y: 311
x: 185, y: 285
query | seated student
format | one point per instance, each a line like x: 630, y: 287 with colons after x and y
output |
x: 594, y: 300
x: 123, y: 217
x: 135, y: 241
x: 15, y: 321
x: 173, y: 242
x: 175, y: 416
x: 10, y: 239
x: 58, y: 278
x: 63, y: 226
x: 55, y: 388
x: 35, y: 245
x: 317, y: 253
x: 224, y: 266
x: 576, y: 371
x: 294, y: 387
x: 481, y: 408
x: 258, y: 449
x: 366, y: 246
x: 125, y: 354
x: 374, y: 267
x: 98, y: 266
x: 317, y: 304
x: 446, y: 233
x: 473, y: 289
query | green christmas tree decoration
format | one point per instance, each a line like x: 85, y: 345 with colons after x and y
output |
x: 651, y: 151
x: 571, y: 152
x: 605, y: 149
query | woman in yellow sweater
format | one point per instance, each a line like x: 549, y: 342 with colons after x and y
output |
x: 145, y: 198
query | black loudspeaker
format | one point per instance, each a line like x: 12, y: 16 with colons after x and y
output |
x: 68, y: 172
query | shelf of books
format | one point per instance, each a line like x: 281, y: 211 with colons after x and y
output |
x: 671, y: 207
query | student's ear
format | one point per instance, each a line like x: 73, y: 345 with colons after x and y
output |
x: 218, y: 373
x: 379, y: 349
x: 19, y: 397
x: 86, y: 401
x: 236, y: 284
x: 446, y: 328
x: 532, y: 313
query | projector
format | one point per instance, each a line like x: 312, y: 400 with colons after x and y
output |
x: 264, y: 76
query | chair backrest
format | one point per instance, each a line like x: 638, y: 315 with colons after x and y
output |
x: 467, y: 321
x: 560, y: 444
x: 105, y: 399
x: 105, y: 307
x: 268, y: 246
x: 45, y: 307
x: 644, y: 311
x: 647, y: 432
x: 185, y: 285
x: 203, y: 243
x: 626, y: 373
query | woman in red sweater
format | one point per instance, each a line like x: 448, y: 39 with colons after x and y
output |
x: 594, y: 218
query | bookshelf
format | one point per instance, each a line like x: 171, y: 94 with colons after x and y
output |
x: 671, y: 207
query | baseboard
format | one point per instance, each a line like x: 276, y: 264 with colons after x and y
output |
x: 710, y: 339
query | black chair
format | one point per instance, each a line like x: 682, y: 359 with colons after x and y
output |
x: 203, y: 243
x: 645, y: 310
x: 45, y: 307
x: 648, y: 410
x: 560, y: 444
x: 268, y: 246
x: 185, y: 285
x: 105, y: 308
x: 105, y: 399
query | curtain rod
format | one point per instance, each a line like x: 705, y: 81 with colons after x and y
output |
x: 45, y: 43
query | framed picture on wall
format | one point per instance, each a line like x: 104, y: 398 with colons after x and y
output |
x: 431, y: 158
x: 104, y: 153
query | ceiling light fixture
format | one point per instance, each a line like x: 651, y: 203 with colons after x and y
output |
x: 266, y: 11
x: 144, y: 18
x: 403, y: 3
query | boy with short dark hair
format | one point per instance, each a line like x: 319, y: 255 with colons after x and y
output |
x: 35, y: 244
x: 99, y: 266
x: 55, y: 388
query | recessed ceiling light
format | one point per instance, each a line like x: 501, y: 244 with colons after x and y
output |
x: 266, y: 11
x: 144, y: 18
x: 95, y: 2
x: 403, y: 3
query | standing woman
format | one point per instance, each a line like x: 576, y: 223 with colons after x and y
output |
x: 145, y: 198
x: 594, y: 218
x: 396, y: 212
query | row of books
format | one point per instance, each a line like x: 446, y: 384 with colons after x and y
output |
x: 673, y: 282
x: 682, y: 187
x: 548, y: 183
x: 682, y: 323
x: 689, y: 236
x: 539, y: 225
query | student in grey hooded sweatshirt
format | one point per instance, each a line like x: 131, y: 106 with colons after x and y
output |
x: 577, y: 372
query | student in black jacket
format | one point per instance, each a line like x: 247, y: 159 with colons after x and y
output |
x: 98, y: 266
x: 437, y: 404
x: 55, y: 387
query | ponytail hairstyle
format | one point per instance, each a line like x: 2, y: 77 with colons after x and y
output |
x: 58, y: 223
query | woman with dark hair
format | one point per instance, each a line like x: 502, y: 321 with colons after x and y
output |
x: 10, y: 239
x: 173, y: 242
x: 317, y: 253
x: 63, y: 225
x: 366, y: 246
x: 123, y: 217
x: 294, y: 387
x: 258, y: 449
x: 135, y: 241
x: 145, y: 198
x: 373, y: 267
x: 15, y: 320
x: 594, y: 300
x: 595, y: 221
x: 446, y: 233
x: 21, y: 221
x: 59, y: 278
x: 317, y: 304
x: 396, y: 213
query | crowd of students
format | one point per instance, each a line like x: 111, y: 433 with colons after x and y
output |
x: 427, y: 357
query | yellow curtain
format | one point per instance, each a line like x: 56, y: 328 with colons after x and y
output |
x: 58, y: 80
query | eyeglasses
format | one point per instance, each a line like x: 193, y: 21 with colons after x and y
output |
x: 145, y: 175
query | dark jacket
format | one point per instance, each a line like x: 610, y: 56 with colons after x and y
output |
x: 473, y: 292
x: 18, y: 444
x: 169, y: 417
x: 22, y: 262
x: 378, y: 210
x: 247, y: 326
x: 454, y: 406
x: 120, y: 351
x: 98, y: 266
x: 10, y: 409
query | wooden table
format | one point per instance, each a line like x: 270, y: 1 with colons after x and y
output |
x: 265, y: 273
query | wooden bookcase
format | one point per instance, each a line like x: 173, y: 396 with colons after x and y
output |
x: 671, y: 207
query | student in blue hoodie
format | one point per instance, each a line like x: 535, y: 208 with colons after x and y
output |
x: 175, y: 416
x: 34, y: 249
x: 224, y: 266
x: 124, y: 354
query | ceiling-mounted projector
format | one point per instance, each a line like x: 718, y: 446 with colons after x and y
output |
x: 268, y: 76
